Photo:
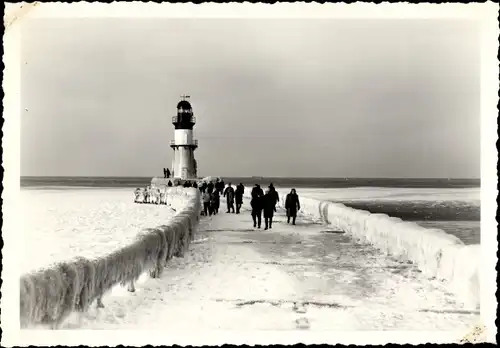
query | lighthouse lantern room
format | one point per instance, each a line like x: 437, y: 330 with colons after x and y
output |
x: 184, y: 164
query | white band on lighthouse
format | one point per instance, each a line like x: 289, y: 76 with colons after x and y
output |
x: 183, y: 137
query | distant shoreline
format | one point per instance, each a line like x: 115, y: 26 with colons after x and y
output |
x: 302, y: 182
x: 255, y: 177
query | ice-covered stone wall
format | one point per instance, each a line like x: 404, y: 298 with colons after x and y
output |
x: 48, y: 296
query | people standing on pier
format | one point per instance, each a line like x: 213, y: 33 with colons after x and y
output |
x: 229, y: 194
x: 240, y: 190
x: 256, y: 204
x: 269, y: 207
x: 292, y: 206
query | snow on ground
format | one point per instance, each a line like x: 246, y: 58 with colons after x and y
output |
x: 62, y: 224
x: 470, y: 195
x: 303, y: 277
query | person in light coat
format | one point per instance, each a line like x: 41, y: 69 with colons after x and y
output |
x: 206, y: 203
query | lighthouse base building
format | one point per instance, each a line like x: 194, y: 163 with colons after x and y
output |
x: 184, y: 165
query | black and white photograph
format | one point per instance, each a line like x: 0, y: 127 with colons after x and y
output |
x: 249, y: 173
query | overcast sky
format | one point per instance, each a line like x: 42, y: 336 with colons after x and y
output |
x: 286, y: 97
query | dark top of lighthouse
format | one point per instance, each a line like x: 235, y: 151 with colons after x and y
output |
x: 184, y: 104
x: 184, y: 118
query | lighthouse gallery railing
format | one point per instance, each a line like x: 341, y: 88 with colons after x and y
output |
x: 192, y: 119
x: 193, y: 142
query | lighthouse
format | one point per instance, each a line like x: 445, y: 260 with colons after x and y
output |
x: 183, y: 164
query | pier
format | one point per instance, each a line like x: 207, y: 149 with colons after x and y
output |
x: 303, y: 277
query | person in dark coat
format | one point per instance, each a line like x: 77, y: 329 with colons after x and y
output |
x: 240, y: 190
x: 219, y: 186
x: 164, y: 173
x: 168, y: 173
x: 217, y: 201
x: 169, y: 183
x: 274, y: 194
x: 229, y: 194
x: 214, y: 202
x: 222, y: 186
x: 195, y: 185
x: 203, y: 187
x: 269, y: 207
x: 292, y: 206
x: 256, y: 204
x: 210, y: 187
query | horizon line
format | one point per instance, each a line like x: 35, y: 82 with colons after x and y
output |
x: 258, y: 176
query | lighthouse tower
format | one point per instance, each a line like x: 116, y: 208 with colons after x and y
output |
x: 184, y: 165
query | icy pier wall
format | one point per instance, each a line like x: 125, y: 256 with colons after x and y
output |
x: 48, y: 296
x: 436, y: 253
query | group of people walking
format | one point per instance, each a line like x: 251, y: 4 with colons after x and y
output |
x: 261, y: 203
x: 266, y: 203
x: 211, y: 193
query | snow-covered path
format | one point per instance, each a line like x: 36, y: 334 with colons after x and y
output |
x: 303, y: 277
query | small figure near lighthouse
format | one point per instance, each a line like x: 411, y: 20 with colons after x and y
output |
x: 184, y: 165
x: 166, y: 173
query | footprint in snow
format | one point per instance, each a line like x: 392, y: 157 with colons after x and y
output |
x: 302, y: 323
x: 299, y: 308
